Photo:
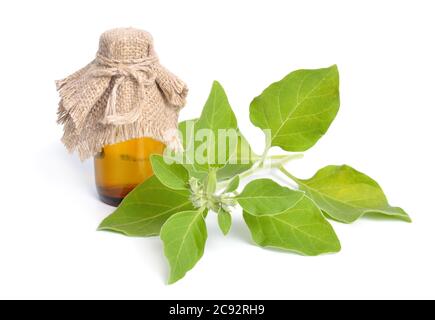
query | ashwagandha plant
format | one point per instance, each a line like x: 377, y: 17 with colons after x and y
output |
x: 294, y: 113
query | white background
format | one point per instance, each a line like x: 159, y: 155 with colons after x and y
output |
x: 385, y: 51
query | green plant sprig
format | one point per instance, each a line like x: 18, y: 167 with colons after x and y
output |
x: 297, y: 111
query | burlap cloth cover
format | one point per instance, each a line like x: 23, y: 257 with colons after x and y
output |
x: 123, y: 94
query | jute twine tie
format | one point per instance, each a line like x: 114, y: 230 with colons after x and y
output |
x: 139, y: 70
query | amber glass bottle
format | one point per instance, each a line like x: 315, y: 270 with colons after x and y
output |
x: 119, y: 168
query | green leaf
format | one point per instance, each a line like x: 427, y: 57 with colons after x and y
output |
x: 143, y: 212
x: 232, y: 185
x: 266, y: 196
x: 346, y: 194
x: 184, y: 236
x: 231, y: 153
x: 298, y: 109
x: 224, y: 221
x: 240, y: 160
x: 301, y: 228
x: 174, y: 176
x: 187, y: 131
x: 216, y: 115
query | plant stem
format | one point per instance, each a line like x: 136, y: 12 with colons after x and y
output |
x: 258, y: 166
x: 286, y: 173
x: 284, y: 159
x: 211, y: 182
x: 278, y: 156
x: 266, y: 150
